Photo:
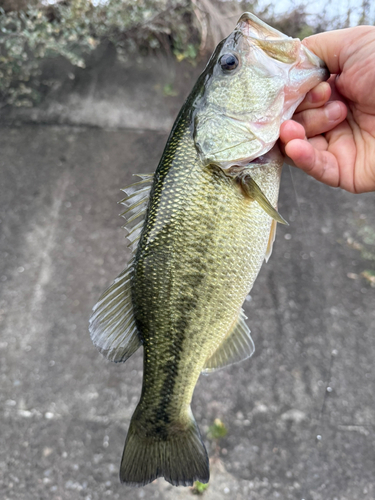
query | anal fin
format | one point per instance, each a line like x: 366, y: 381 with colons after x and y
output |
x: 237, y: 346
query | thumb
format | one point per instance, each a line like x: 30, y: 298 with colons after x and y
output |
x: 334, y: 47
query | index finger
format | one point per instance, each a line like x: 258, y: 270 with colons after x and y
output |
x: 316, y: 97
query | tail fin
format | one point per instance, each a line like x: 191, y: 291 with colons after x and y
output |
x: 180, y: 457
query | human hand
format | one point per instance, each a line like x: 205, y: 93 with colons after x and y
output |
x: 332, y: 137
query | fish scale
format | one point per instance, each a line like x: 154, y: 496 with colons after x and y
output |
x: 209, y: 220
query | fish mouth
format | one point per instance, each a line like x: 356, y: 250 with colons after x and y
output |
x: 281, y: 45
x: 251, y: 26
x: 325, y: 74
x: 314, y: 59
x: 310, y: 61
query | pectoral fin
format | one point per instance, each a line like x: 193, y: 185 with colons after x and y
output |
x: 237, y: 346
x: 271, y: 240
x: 253, y: 191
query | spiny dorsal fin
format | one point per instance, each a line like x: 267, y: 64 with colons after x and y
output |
x: 112, y: 326
x: 237, y: 346
x: 136, y: 202
x: 271, y: 240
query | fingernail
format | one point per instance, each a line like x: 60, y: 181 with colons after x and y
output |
x: 333, y: 111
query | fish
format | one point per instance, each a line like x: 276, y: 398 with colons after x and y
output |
x: 200, y: 228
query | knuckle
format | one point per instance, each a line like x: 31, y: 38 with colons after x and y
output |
x: 313, y: 121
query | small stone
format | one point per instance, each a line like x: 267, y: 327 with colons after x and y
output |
x: 25, y: 413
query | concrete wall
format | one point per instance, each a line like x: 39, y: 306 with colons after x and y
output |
x: 140, y: 93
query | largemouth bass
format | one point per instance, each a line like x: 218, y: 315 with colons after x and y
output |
x: 204, y: 223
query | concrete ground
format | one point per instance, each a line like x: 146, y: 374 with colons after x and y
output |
x: 300, y: 414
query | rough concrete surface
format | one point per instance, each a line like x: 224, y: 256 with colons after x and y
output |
x: 300, y: 413
x: 141, y: 92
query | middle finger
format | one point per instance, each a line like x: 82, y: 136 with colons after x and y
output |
x: 320, y: 120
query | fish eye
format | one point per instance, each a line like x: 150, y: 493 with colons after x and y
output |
x: 228, y: 62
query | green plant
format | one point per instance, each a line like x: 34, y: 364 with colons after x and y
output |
x: 168, y: 90
x: 369, y: 275
x: 72, y: 29
x: 29, y: 37
x: 199, y: 488
x: 217, y: 430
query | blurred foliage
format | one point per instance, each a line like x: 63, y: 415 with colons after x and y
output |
x: 369, y: 275
x: 168, y: 90
x: 31, y: 36
x: 199, y: 488
x: 34, y: 31
x: 217, y: 430
x: 73, y: 28
x: 361, y: 237
x: 295, y: 23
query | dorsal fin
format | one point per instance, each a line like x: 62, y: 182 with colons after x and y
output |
x: 136, y: 202
x: 237, y: 346
x: 112, y: 326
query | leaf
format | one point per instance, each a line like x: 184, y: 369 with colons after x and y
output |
x: 199, y: 488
